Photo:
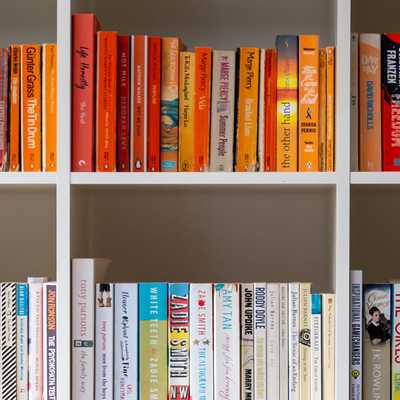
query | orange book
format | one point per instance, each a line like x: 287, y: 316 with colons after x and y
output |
x: 14, y: 128
x: 330, y: 109
x: 247, y: 109
x: 308, y: 102
x: 203, y: 64
x: 106, y: 89
x: 49, y: 95
x: 31, y: 107
x: 322, y: 109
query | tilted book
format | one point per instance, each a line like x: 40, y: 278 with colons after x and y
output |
x: 201, y: 341
x: 126, y: 356
x: 222, y: 111
x: 330, y: 108
x: 4, y: 101
x: 304, y: 340
x: 322, y: 109
x: 316, y: 347
x: 86, y: 272
x: 153, y: 336
x: 294, y: 325
x: 247, y: 340
x: 22, y: 341
x: 283, y: 342
x: 227, y: 342
x: 355, y: 151
x: 356, y: 318
x: 260, y: 341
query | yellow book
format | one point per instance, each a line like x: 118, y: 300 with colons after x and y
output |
x: 322, y: 109
x: 186, y: 111
x: 330, y: 109
x: 246, y: 131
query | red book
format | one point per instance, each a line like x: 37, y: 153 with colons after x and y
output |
x: 139, y: 102
x: 84, y: 29
x: 123, y: 105
x: 153, y: 108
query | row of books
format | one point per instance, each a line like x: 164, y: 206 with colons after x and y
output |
x: 375, y: 338
x: 28, y: 108
x: 143, y: 103
x: 376, y: 101
x: 28, y: 340
x: 199, y: 341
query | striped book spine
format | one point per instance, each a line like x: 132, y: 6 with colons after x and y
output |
x: 22, y: 341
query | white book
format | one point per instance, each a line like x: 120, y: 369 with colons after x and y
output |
x: 273, y: 352
x: 305, y: 341
x: 328, y: 346
x: 356, y: 334
x: 35, y: 342
x: 261, y: 113
x: 201, y: 339
x: 247, y: 340
x: 316, y: 347
x: 260, y: 341
x: 294, y: 318
x: 85, y: 273
x: 22, y: 341
x: 354, y: 102
x: 283, y: 342
x: 126, y: 341
x: 104, y: 347
x: 227, y: 342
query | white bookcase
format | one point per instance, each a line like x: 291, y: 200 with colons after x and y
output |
x: 211, y: 226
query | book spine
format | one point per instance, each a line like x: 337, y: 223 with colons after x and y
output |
x: 287, y: 71
x: 153, y: 336
x: 328, y: 346
x: 294, y: 323
x: 4, y: 93
x: 84, y: 29
x: 104, y: 351
x: 316, y: 347
x: 222, y: 115
x: 356, y: 335
x: 49, y: 341
x: 186, y: 111
x: 322, y: 109
x: 227, y: 342
x: 31, y: 107
x: 139, y: 103
x: 125, y: 341
x: 247, y: 110
x: 390, y: 61
x: 203, y: 66
x: 22, y: 341
x: 370, y: 102
x: 283, y: 342
x: 49, y: 107
x: 178, y: 341
x: 396, y: 342
x: 308, y: 103
x: 260, y: 341
x: 355, y: 151
x: 330, y: 109
x: 123, y: 103
x: 261, y: 114
x: 273, y: 353
x: 169, y: 104
x: 304, y: 340
x: 153, y: 108
x: 8, y: 342
x: 247, y: 340
x: 15, y: 108
x: 270, y: 109
x: 106, y: 92
x: 201, y: 339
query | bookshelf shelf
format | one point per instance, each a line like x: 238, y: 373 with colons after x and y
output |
x: 375, y: 178
x: 28, y: 178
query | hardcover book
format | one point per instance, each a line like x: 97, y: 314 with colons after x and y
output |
x: 202, y: 106
x: 202, y: 343
x: 260, y: 341
x: 304, y: 340
x: 294, y: 325
x: 106, y: 92
x: 355, y: 151
x: 227, y: 342
x: 261, y: 113
x: 322, y: 109
x: 123, y: 103
x: 186, y: 111
x: 247, y: 110
x: 222, y: 115
x: 330, y: 109
x: 370, y: 102
x: 308, y: 103
x: 169, y: 104
x: 396, y: 342
x: 31, y: 107
x: 15, y: 108
x: 316, y: 348
x: 377, y: 341
x: 84, y: 30
x: 22, y: 341
x: 287, y: 78
x: 283, y: 342
x: 153, y: 334
x: 4, y: 77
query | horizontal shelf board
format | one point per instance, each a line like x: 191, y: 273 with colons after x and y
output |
x: 28, y: 178
x: 202, y: 178
x: 375, y: 178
